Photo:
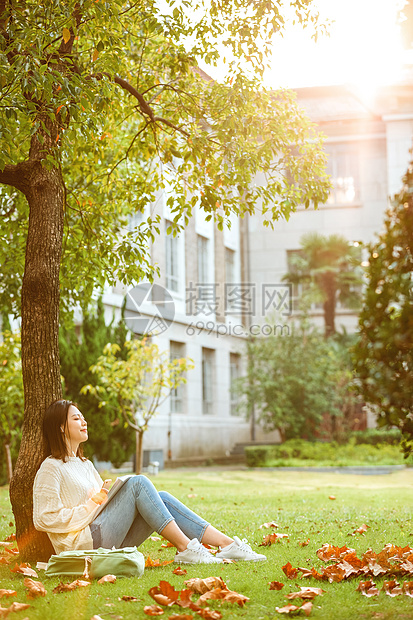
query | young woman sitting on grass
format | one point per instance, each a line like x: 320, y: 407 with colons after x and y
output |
x: 68, y: 492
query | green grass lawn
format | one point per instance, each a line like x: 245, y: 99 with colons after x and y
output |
x: 238, y: 502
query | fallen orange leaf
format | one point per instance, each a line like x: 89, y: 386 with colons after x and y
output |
x: 272, y: 538
x: 65, y: 587
x: 153, y: 610
x: 289, y: 571
x: 362, y: 529
x: 305, y: 593
x: 35, y: 588
x: 107, y: 579
x: 7, y: 593
x: 149, y: 563
x: 268, y: 525
x: 24, y: 569
x: 128, y: 598
x: 276, y: 585
x: 331, y: 497
x: 4, y: 611
x: 305, y: 543
x: 180, y: 571
x: 200, y: 586
x: 288, y: 609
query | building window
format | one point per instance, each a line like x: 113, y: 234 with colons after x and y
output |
x: 203, y: 263
x: 343, y: 166
x: 172, y: 261
x: 207, y: 380
x: 176, y: 351
x: 234, y: 375
x: 229, y: 266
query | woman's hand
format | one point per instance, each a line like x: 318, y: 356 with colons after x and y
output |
x: 106, y: 484
x: 100, y: 497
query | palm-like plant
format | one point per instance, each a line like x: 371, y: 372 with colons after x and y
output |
x: 329, y: 267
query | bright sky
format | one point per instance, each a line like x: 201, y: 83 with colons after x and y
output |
x: 364, y: 47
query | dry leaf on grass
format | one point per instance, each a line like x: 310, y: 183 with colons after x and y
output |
x: 66, y: 587
x: 288, y: 609
x: 408, y: 588
x: 12, y: 550
x: 180, y: 617
x: 392, y: 588
x: 368, y: 588
x: 180, y: 571
x: 4, y: 560
x: 5, y: 611
x: 191, y: 495
x: 34, y: 588
x: 149, y: 563
x: 11, y: 536
x: 304, y: 543
x: 276, y: 585
x: 155, y: 538
x: 289, y: 571
x: 6, y: 543
x: 107, y: 579
x: 153, y: 610
x: 306, y: 593
x: 329, y: 552
x: 331, y: 497
x: 167, y: 545
x: 200, y: 586
x: 24, y: 569
x: 7, y: 593
x: 268, y: 525
x: 209, y: 614
x: 272, y: 538
x: 223, y: 594
x: 362, y: 529
x: 128, y: 598
x: 165, y: 594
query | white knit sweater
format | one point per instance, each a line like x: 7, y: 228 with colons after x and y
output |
x: 61, y: 502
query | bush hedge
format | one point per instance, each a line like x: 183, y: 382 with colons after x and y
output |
x: 295, y: 452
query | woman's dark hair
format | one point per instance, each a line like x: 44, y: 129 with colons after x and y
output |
x: 54, y: 420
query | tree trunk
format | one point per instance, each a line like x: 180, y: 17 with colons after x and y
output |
x: 8, y: 462
x: 329, y: 306
x: 139, y: 452
x: 44, y: 190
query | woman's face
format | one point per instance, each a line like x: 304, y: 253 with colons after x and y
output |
x: 76, y: 427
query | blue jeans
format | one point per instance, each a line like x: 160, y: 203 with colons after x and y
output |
x: 136, y: 511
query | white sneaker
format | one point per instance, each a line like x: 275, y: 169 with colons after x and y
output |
x: 240, y: 550
x: 195, y: 553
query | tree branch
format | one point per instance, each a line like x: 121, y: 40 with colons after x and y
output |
x: 16, y: 175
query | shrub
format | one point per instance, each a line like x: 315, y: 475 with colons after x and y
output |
x: 296, y: 452
x: 375, y: 436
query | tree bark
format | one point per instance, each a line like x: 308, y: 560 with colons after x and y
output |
x: 44, y: 190
x: 139, y: 452
x: 329, y: 305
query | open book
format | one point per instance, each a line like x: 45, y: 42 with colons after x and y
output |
x: 117, y: 485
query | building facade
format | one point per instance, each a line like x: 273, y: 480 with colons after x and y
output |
x: 367, y: 144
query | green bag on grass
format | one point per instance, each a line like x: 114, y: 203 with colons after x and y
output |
x: 96, y: 563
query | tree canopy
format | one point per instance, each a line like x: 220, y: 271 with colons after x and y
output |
x: 109, y: 94
x: 104, y: 108
x: 329, y: 268
x: 384, y: 354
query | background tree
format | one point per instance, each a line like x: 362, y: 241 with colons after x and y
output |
x: 11, y: 401
x: 138, y: 385
x: 329, y: 268
x: 102, y: 107
x: 384, y: 354
x: 110, y: 438
x: 297, y: 381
